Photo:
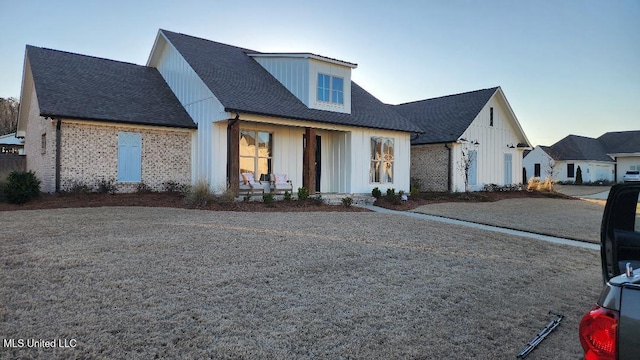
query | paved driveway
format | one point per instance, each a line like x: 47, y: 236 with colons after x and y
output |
x: 571, y: 219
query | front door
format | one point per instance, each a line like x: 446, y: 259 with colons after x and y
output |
x: 620, y: 233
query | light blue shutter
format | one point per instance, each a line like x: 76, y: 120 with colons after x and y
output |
x: 507, y: 169
x: 129, y: 157
x: 473, y: 167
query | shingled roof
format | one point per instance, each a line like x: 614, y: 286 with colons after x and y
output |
x: 621, y: 142
x: 243, y: 85
x: 444, y: 119
x: 84, y: 87
x: 574, y: 147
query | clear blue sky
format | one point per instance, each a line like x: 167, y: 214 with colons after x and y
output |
x: 566, y: 67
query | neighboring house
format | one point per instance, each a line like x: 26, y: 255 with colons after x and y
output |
x: 201, y: 110
x: 10, y: 144
x: 470, y: 139
x: 624, y: 148
x: 606, y: 158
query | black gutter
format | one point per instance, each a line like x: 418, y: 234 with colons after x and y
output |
x: 229, y: 125
x: 58, y: 147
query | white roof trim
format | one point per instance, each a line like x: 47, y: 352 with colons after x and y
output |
x: 305, y: 56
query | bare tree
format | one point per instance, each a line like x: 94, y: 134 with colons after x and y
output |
x: 464, y: 164
x: 8, y: 115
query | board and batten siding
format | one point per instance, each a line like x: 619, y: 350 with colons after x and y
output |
x: 293, y: 73
x: 346, y: 153
x: 210, y: 140
x: 300, y: 76
x: 494, y: 142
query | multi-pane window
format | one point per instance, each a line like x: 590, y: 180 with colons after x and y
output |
x: 381, y: 170
x: 330, y: 89
x: 255, y: 152
x: 536, y: 170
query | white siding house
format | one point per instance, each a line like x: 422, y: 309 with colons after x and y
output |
x: 481, y: 132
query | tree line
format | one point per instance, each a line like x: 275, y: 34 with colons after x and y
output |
x: 8, y: 115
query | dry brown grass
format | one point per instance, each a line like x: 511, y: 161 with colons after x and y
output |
x: 174, y: 283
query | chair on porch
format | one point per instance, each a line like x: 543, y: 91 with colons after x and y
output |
x: 248, y: 184
x: 281, y: 183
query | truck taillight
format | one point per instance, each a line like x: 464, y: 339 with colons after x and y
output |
x: 598, y: 333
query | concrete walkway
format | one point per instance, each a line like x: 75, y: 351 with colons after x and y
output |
x: 531, y: 235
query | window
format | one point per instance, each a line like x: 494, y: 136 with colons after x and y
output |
x: 381, y: 170
x: 255, y: 152
x: 536, y: 170
x: 490, y: 116
x: 330, y: 89
x: 570, y: 170
x: 129, y: 157
x: 43, y: 144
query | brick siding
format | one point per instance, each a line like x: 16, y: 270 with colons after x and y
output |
x: 430, y: 166
x: 89, y: 153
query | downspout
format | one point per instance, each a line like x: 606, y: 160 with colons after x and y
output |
x: 229, y: 126
x: 450, y: 172
x: 58, y: 147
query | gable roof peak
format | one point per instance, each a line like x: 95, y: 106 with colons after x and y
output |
x: 492, y: 89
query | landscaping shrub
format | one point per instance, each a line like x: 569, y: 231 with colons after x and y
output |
x: 376, y: 193
x: 269, y: 199
x: 579, y: 176
x: 347, y: 201
x: 78, y: 187
x: 3, y: 183
x: 199, y: 194
x: 535, y: 184
x: 317, y: 200
x: 105, y: 186
x: 143, y: 188
x: 173, y: 187
x: 21, y: 186
x: 414, y: 193
x: 227, y: 196
x: 303, y: 194
x: 392, y: 197
x: 286, y: 196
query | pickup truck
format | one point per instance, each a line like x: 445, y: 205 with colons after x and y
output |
x: 611, y: 329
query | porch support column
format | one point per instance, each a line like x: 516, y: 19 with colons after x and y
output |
x: 233, y: 158
x: 309, y: 162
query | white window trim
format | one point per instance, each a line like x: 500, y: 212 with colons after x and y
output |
x: 330, y: 102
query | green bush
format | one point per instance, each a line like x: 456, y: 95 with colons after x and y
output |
x: 3, y: 183
x: 286, y: 196
x: 303, y: 194
x: 21, y: 187
x: 579, y: 176
x: 269, y: 199
x: 317, y: 200
x: 392, y: 197
x: 347, y: 201
x: 414, y: 193
x: 376, y: 193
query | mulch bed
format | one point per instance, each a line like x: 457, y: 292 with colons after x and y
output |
x: 426, y: 198
x: 56, y: 201
x: 67, y: 200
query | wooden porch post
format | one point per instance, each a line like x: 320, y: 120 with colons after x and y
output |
x: 233, y: 158
x: 309, y: 162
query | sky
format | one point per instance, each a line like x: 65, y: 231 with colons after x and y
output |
x: 565, y: 66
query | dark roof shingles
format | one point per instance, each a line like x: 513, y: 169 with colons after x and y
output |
x: 574, y: 147
x: 621, y: 142
x: 243, y: 85
x: 84, y: 87
x: 444, y: 119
